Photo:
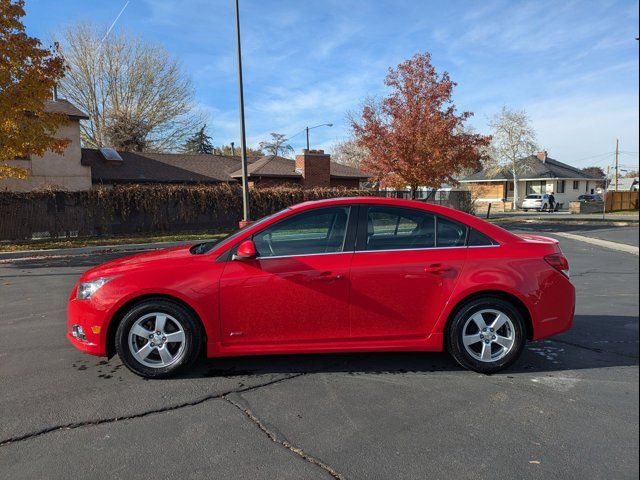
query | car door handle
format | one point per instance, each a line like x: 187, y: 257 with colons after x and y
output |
x: 328, y: 277
x: 437, y: 268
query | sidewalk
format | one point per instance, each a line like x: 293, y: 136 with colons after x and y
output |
x: 93, y: 250
x: 562, y: 216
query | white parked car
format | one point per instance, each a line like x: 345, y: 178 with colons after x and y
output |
x: 536, y: 202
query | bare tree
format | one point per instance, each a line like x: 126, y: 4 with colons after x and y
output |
x: 348, y: 152
x: 513, y: 138
x: 127, y: 85
x: 276, y: 146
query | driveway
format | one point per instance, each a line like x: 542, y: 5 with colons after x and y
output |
x: 568, y: 408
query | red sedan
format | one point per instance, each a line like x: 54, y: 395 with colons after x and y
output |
x: 340, y: 275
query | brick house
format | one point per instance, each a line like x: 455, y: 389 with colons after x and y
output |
x: 538, y: 174
x: 310, y: 169
x: 79, y: 168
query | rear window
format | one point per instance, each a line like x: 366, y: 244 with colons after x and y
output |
x: 477, y: 239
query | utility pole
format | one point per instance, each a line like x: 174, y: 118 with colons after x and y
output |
x: 616, y: 187
x: 607, y: 180
x: 243, y: 139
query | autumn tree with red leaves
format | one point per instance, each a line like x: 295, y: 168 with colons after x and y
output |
x: 414, y: 136
x: 28, y: 74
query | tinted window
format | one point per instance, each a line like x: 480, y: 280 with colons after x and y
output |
x: 391, y: 228
x: 318, y: 231
x: 477, y: 239
x: 450, y: 233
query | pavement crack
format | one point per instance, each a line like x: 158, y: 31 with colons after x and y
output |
x: 277, y: 438
x: 170, y: 408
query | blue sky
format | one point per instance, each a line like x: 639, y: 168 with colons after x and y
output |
x: 573, y: 65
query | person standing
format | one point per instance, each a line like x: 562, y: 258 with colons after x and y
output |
x: 552, y: 202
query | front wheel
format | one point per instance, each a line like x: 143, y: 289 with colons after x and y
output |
x: 486, y: 335
x: 157, y: 338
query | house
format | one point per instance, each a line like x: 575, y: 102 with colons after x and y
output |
x: 79, y: 168
x: 625, y: 185
x: 61, y: 171
x: 538, y: 174
x: 311, y: 168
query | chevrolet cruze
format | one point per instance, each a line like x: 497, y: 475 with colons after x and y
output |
x: 339, y: 275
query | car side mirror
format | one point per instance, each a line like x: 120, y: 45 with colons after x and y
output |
x: 246, y: 250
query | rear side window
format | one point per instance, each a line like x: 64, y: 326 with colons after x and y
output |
x: 450, y: 233
x: 392, y: 228
x: 477, y: 239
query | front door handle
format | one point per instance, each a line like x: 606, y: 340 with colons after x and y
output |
x: 438, y: 268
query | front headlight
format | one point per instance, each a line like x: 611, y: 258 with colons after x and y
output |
x: 86, y: 289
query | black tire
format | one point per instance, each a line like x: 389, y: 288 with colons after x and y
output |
x: 526, y: 210
x: 454, y: 334
x: 190, y: 324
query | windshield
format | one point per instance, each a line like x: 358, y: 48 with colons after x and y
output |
x: 205, y: 247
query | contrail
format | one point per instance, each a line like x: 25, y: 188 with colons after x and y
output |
x: 114, y: 23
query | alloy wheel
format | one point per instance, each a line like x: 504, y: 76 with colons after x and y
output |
x: 488, y: 335
x: 157, y: 340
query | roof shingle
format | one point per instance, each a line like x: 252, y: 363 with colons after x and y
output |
x: 530, y: 168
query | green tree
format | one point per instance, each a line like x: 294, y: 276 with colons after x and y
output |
x: 200, y: 142
x: 228, y: 150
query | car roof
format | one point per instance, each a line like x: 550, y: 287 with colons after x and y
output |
x: 497, y: 233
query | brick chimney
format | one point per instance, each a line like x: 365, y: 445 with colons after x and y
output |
x: 542, y: 156
x: 315, y: 167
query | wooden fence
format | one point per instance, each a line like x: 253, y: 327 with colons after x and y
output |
x: 616, y: 201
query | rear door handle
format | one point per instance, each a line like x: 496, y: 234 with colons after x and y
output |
x: 328, y: 277
x: 437, y: 268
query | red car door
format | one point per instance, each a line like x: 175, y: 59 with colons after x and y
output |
x: 406, y: 265
x: 297, y: 289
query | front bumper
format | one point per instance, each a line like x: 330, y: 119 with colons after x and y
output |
x: 92, y: 320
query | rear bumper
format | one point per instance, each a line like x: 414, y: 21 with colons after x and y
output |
x: 555, y: 310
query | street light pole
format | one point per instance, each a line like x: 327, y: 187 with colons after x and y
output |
x: 243, y: 139
x: 309, y: 128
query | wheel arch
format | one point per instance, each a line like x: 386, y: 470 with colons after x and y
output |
x: 122, y: 310
x: 509, y: 297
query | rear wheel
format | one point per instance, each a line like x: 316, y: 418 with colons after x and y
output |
x: 157, y: 338
x: 486, y: 335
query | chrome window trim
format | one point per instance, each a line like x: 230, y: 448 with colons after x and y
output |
x: 376, y: 251
x: 304, y: 255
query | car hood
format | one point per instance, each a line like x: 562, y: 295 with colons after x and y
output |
x: 138, y: 261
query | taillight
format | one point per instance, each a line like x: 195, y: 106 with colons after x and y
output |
x: 559, y: 262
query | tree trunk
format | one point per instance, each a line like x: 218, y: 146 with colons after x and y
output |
x: 515, y: 191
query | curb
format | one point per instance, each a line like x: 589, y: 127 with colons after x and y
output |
x: 85, y: 251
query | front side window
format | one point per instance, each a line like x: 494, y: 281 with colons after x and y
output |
x: 391, y: 228
x: 308, y: 233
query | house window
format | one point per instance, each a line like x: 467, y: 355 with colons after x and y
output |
x: 576, y: 184
x: 510, y: 184
x: 561, y: 186
x: 536, y: 188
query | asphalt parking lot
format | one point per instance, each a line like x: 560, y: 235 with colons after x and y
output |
x: 568, y: 408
